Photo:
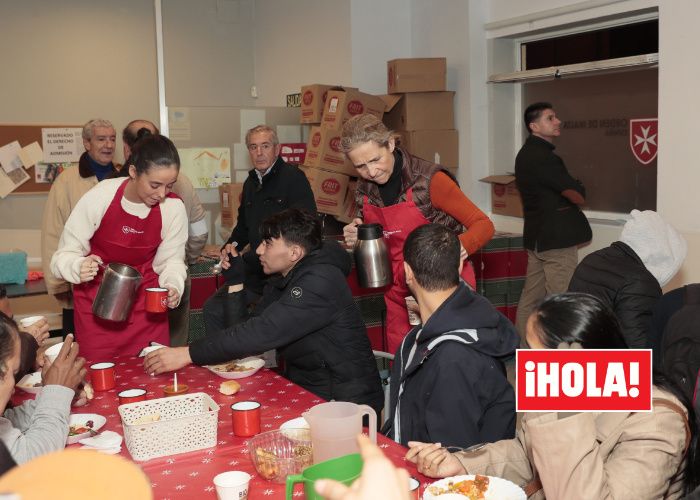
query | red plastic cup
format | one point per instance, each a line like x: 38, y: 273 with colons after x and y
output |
x: 102, y: 375
x: 156, y: 300
x: 132, y: 396
x: 246, y: 418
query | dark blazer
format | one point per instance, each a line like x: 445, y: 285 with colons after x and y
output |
x: 551, y: 221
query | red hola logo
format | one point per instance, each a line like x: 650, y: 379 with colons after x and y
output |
x: 330, y: 186
x: 308, y: 98
x: 316, y: 139
x: 583, y: 380
x: 355, y: 108
x: 644, y: 139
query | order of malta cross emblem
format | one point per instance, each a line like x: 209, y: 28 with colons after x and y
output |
x: 644, y: 139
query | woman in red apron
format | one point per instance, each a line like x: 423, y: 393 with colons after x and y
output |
x: 401, y: 192
x: 132, y: 220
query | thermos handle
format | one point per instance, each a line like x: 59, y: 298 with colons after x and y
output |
x: 291, y: 481
x: 369, y: 411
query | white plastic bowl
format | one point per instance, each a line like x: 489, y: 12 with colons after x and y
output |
x: 80, y: 419
x: 29, y: 381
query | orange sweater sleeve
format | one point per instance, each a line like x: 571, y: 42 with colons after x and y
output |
x: 445, y: 195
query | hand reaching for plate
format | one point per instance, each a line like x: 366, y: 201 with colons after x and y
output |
x: 433, y: 460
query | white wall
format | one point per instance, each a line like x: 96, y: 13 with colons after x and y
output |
x: 380, y: 31
x: 70, y: 61
x: 300, y: 42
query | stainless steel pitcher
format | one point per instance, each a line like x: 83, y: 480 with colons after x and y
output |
x: 371, y: 257
x: 117, y: 292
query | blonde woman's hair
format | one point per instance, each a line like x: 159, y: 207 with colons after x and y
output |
x: 362, y: 129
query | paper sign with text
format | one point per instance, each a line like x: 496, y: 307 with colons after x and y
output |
x: 583, y: 380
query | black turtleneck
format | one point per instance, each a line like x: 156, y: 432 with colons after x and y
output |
x: 391, y: 190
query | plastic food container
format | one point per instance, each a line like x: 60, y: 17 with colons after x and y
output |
x: 277, y: 454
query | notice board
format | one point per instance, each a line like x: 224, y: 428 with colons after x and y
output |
x: 26, y: 134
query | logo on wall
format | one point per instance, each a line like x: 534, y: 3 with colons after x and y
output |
x: 644, y: 139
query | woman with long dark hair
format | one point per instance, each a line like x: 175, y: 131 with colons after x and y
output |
x: 135, y: 221
x: 603, y: 455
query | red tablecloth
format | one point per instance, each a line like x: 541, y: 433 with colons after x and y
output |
x: 190, y: 475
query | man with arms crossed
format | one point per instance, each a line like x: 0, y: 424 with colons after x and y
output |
x: 554, y: 224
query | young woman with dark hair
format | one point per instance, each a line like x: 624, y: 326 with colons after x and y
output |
x: 602, y: 455
x: 135, y: 221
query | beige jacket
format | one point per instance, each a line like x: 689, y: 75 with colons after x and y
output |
x: 592, y: 455
x: 198, y: 231
x: 65, y: 192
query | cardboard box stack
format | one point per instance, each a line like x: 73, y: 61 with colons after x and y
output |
x: 421, y: 110
x: 330, y: 174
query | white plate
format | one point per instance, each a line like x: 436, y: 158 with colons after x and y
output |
x: 253, y: 363
x: 80, y: 419
x: 499, y: 489
x: 27, y: 382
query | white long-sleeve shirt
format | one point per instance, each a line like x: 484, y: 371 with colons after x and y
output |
x: 74, y: 245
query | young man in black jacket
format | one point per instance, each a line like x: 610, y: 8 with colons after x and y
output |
x: 308, y: 315
x: 448, y: 382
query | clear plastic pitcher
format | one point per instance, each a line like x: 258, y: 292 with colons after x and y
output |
x: 335, y: 426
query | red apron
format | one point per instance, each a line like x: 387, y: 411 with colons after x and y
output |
x: 127, y: 239
x: 398, y: 221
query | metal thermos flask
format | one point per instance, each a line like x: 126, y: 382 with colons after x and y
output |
x: 371, y: 257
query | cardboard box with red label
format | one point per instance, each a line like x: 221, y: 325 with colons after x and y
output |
x: 350, y: 207
x: 329, y: 189
x: 341, y: 105
x: 313, y: 97
x: 417, y: 75
x: 505, y: 197
x: 323, y: 151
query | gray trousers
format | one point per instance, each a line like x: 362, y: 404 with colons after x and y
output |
x: 548, y: 272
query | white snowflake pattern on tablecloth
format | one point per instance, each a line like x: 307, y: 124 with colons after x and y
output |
x: 244, y: 450
x: 180, y: 487
x: 222, y: 442
x: 274, y: 400
x: 233, y: 462
x: 298, y: 493
x: 210, y: 452
x: 294, y: 400
x: 208, y: 489
x: 383, y: 445
x: 286, y: 408
x: 267, y: 426
x: 277, y: 417
x: 166, y: 472
x: 170, y: 461
x: 267, y: 493
x: 194, y: 473
x: 206, y: 460
x: 270, y: 383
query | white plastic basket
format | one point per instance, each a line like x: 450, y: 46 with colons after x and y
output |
x: 185, y: 423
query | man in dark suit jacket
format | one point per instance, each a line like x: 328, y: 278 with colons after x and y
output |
x: 272, y: 186
x: 554, y: 222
